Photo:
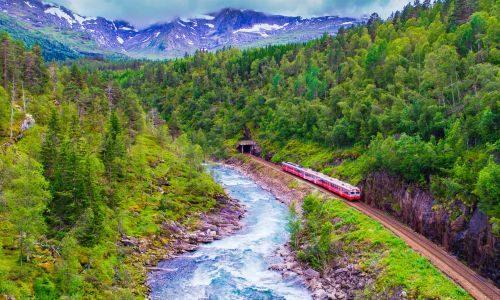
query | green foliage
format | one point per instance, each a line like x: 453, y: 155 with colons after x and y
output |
x: 415, y: 96
x: 294, y: 225
x: 53, y: 49
x: 409, y: 157
x: 44, y: 288
x: 488, y: 189
x: 26, y: 195
x: 330, y: 225
x: 94, y: 167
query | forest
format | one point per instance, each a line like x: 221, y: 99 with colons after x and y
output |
x: 82, y: 165
x: 95, y: 150
x: 415, y: 96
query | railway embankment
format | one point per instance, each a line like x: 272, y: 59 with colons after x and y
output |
x: 461, y: 230
x: 361, y: 259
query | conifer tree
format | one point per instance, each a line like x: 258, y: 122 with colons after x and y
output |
x: 112, y: 155
x: 50, y: 145
x: 26, y: 196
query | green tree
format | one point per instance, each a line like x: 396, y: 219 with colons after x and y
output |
x: 26, y: 196
x: 113, y: 148
x: 50, y: 145
x: 294, y: 224
x: 488, y: 189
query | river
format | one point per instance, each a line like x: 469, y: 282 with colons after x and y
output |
x: 236, y: 267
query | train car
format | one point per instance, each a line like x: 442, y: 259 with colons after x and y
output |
x: 340, y: 188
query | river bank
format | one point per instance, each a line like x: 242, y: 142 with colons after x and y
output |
x: 182, y: 236
x: 238, y: 266
x: 341, y: 280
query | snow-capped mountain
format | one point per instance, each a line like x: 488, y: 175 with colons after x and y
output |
x: 226, y: 28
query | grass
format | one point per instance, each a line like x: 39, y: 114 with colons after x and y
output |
x: 381, y: 252
x: 340, y: 163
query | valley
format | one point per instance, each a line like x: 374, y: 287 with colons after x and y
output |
x: 106, y: 129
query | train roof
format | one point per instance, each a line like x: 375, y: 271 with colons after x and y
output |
x: 323, y: 176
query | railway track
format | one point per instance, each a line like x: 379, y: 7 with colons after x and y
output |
x: 476, y: 285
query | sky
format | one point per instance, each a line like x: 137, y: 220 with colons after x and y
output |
x: 142, y: 13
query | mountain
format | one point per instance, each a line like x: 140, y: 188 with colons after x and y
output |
x: 98, y: 36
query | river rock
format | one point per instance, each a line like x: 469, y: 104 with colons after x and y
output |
x: 340, y: 295
x: 278, y: 267
x: 291, y: 265
x: 313, y: 284
x: 311, y: 273
x: 320, y: 294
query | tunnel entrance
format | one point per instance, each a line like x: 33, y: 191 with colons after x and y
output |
x: 247, y: 146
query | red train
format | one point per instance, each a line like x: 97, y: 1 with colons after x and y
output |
x: 338, y: 187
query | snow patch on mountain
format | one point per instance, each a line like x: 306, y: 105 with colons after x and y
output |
x: 120, y: 40
x: 205, y: 17
x: 82, y: 20
x: 29, y: 4
x: 56, y: 11
x: 258, y: 28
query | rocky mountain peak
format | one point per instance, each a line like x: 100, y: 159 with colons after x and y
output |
x: 228, y: 27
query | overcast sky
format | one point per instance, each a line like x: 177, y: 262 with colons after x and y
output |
x: 146, y: 12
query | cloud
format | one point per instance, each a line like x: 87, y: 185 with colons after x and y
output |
x: 146, y: 12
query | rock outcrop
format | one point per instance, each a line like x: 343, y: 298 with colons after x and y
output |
x: 463, y: 231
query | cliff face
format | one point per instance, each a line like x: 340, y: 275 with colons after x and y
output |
x: 466, y: 234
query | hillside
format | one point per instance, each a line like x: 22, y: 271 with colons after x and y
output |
x: 413, y: 99
x: 85, y: 173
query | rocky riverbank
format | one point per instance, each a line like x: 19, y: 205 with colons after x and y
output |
x: 283, y: 187
x: 176, y: 238
x: 340, y: 280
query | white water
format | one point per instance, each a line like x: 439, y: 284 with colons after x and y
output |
x: 235, y: 267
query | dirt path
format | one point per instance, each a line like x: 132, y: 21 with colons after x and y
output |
x: 476, y: 285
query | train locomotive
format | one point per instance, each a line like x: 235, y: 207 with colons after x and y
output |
x: 340, y: 188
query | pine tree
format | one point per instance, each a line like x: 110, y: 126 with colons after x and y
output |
x: 91, y: 203
x: 26, y: 197
x: 50, y: 145
x: 113, y: 153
